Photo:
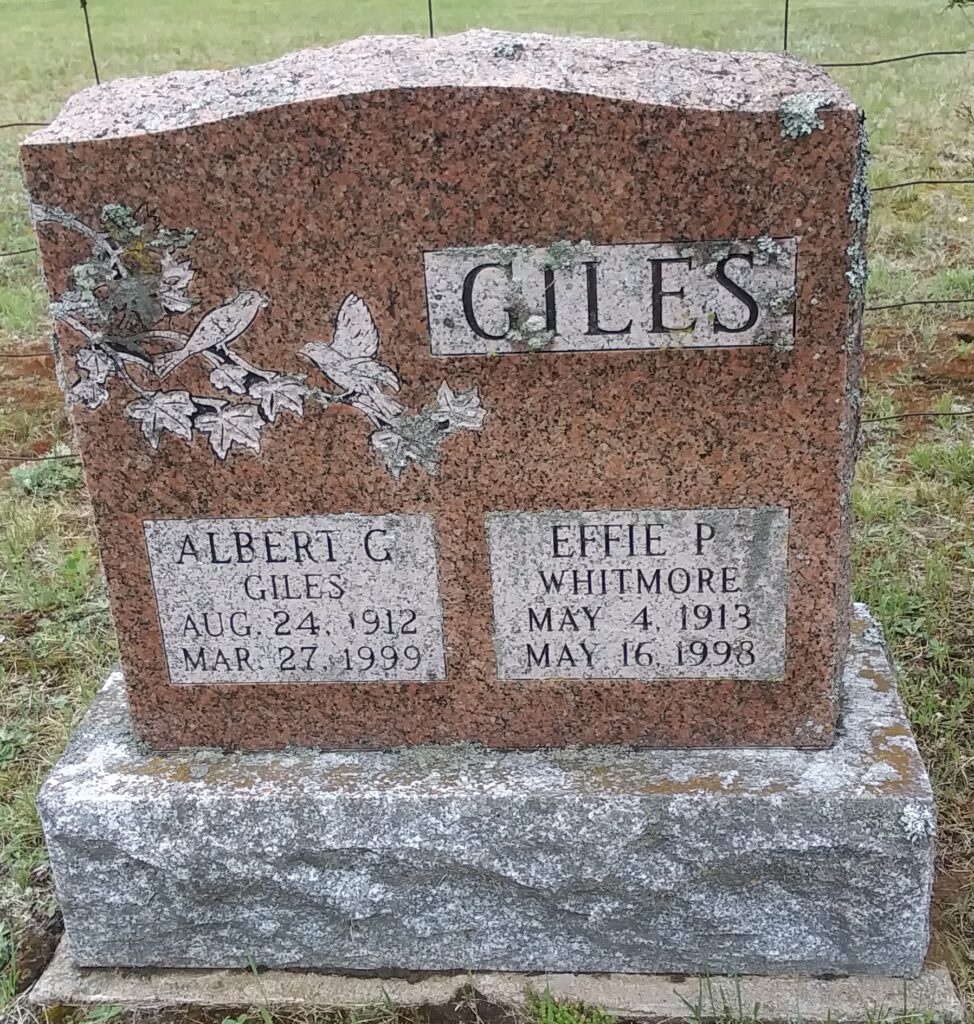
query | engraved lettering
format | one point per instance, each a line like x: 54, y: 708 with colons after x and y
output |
x: 251, y: 600
x: 592, y: 293
x: 640, y: 594
x: 659, y: 293
x: 619, y: 296
x: 187, y: 549
x: 468, y: 311
x: 738, y: 292
x: 370, y: 544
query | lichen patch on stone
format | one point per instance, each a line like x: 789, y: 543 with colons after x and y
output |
x: 564, y: 253
x: 798, y: 113
x: 858, y: 270
x: 859, y: 202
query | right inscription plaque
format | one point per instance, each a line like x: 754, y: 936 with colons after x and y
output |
x: 642, y: 594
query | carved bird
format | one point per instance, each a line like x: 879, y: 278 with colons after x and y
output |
x: 216, y: 330
x: 349, y: 360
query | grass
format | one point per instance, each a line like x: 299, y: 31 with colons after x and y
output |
x: 914, y: 565
x: 914, y: 496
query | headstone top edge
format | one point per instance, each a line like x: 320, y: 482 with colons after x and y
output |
x: 642, y: 72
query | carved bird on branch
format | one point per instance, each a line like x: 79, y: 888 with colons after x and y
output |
x: 216, y: 330
x: 349, y: 360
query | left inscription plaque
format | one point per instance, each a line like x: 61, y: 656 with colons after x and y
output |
x: 338, y: 598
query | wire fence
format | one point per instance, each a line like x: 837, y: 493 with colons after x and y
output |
x: 786, y: 21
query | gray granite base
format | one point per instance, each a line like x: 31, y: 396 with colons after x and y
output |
x: 458, y: 858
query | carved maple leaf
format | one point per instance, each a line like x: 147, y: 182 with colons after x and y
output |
x: 391, y: 449
x: 96, y: 364
x: 233, y: 424
x: 134, y: 296
x: 161, y: 411
x: 175, y: 277
x: 280, y: 393
x: 230, y: 378
x: 461, y: 410
x: 89, y: 393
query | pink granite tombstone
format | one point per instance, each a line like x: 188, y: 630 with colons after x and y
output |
x: 487, y: 388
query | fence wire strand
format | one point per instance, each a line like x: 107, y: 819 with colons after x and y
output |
x: 91, y: 42
x: 895, y: 60
x: 36, y: 458
x: 917, y: 415
x: 917, y: 302
x: 923, y: 181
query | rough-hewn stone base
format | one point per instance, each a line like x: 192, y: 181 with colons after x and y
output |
x: 587, y: 860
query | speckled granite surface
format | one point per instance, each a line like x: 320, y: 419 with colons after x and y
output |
x: 329, y: 174
x: 454, y: 858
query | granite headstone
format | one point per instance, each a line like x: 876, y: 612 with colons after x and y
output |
x: 495, y: 389
x: 492, y: 388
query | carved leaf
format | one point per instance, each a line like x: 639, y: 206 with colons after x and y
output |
x: 462, y: 411
x: 89, y: 393
x: 134, y: 296
x: 175, y: 277
x: 411, y: 438
x: 96, y: 364
x: 163, y: 410
x: 233, y: 424
x: 82, y: 305
x: 280, y: 393
x: 230, y: 378
x: 390, y: 447
x: 121, y: 222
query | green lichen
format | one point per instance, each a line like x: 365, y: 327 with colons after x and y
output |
x: 858, y: 271
x: 798, y: 113
x: 768, y: 249
x: 499, y: 253
x: 771, y: 334
x: 783, y: 304
x: 529, y: 329
x: 860, y: 201
x: 494, y: 251
x: 120, y: 221
x: 422, y: 435
x: 508, y: 50
x: 540, y: 340
x: 565, y: 253
x: 166, y: 238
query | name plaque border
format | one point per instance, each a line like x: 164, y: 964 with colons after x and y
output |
x: 674, y: 343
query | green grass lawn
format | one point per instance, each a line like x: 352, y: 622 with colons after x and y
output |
x: 914, y: 554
